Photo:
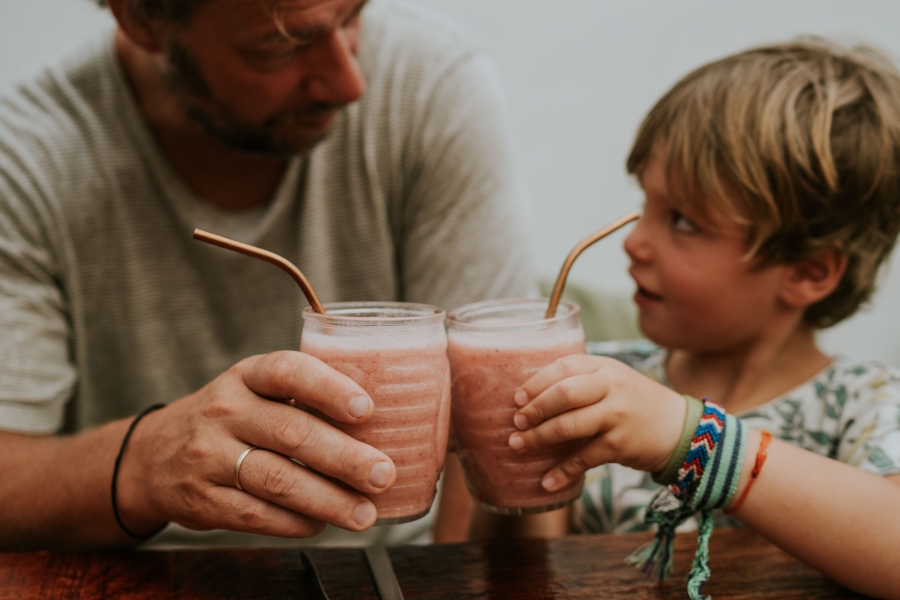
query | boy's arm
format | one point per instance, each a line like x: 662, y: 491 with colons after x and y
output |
x: 487, y: 525
x: 835, y: 517
x: 455, y: 507
x: 460, y: 519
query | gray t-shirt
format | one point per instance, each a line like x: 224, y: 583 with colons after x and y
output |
x: 106, y: 303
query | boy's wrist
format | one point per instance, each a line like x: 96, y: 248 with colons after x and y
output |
x: 669, y: 473
x: 753, y: 439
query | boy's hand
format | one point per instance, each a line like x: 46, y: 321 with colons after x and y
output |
x: 628, y: 418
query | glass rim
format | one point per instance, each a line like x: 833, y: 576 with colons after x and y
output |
x: 352, y: 314
x: 455, y: 317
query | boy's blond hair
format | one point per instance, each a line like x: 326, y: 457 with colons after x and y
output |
x: 807, y: 135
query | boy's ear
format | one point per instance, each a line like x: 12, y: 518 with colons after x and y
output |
x: 136, y: 25
x: 814, y: 278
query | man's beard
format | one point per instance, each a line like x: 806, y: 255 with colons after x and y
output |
x: 271, y: 138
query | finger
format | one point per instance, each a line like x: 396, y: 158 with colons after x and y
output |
x: 306, y: 379
x: 589, y: 456
x: 562, y: 368
x: 284, y: 483
x: 324, y: 448
x: 568, y: 394
x: 572, y: 425
x: 232, y: 509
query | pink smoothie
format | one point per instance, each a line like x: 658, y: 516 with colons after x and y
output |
x: 487, y: 369
x: 409, y: 381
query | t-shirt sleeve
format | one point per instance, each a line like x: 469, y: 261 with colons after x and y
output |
x: 36, y: 374
x: 466, y: 210
x: 870, y: 436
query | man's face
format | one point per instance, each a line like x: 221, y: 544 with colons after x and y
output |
x: 267, y: 77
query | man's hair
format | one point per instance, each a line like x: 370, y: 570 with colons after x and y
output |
x: 806, y: 137
x: 179, y: 12
x: 171, y: 11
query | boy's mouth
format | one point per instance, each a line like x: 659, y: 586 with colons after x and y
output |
x: 643, y: 296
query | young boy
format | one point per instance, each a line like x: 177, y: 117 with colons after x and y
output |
x: 772, y: 184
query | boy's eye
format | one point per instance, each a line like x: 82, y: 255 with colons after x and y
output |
x: 683, y: 224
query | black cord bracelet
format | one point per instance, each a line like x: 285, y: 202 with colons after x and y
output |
x: 115, y: 476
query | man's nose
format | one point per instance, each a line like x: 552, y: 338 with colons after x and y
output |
x: 335, y: 76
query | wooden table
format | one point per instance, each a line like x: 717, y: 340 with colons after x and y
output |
x: 744, y: 565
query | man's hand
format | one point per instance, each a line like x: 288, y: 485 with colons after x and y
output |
x: 628, y: 418
x: 179, y: 464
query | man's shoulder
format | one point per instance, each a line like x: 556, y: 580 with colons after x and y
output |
x: 65, y: 89
x: 395, y: 30
x: 54, y: 120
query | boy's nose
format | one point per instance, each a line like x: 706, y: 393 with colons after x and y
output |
x: 636, y: 244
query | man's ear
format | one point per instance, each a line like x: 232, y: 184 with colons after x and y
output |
x: 814, y: 278
x: 139, y: 28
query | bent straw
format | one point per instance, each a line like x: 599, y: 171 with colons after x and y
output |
x: 269, y: 257
x: 581, y: 247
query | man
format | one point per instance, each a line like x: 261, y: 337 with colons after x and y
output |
x: 247, y: 118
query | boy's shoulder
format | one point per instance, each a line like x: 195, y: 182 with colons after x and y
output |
x: 849, y: 411
x: 847, y: 385
x: 643, y: 356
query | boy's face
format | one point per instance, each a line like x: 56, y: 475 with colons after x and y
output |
x: 696, y: 290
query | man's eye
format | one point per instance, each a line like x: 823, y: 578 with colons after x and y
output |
x: 283, y: 51
x: 683, y: 224
x: 275, y: 58
x: 286, y: 54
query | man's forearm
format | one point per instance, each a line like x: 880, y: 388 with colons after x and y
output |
x: 55, y: 491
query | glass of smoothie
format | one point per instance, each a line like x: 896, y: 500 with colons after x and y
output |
x: 397, y: 352
x: 494, y: 347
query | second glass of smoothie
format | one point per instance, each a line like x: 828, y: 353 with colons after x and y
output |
x: 494, y: 347
x: 397, y: 352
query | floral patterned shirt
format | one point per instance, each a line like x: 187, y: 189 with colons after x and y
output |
x: 848, y: 411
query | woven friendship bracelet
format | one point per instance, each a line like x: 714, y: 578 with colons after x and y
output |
x: 669, y: 474
x: 761, y: 455
x: 719, y: 481
x: 716, y: 489
x: 708, y: 479
x: 706, y: 436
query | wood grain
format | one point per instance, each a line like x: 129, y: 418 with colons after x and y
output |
x: 744, y: 566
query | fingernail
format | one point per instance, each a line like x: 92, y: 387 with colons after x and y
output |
x: 380, y: 474
x: 364, y: 513
x: 550, y: 483
x: 358, y: 407
x: 516, y: 442
x: 521, y: 398
x: 521, y: 422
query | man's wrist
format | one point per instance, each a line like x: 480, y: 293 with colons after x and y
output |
x: 133, y: 511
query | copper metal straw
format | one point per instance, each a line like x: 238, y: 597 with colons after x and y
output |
x: 581, y: 247
x: 269, y: 257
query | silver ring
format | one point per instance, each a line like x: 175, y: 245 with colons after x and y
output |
x: 237, y: 466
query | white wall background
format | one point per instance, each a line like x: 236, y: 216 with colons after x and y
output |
x: 579, y: 76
